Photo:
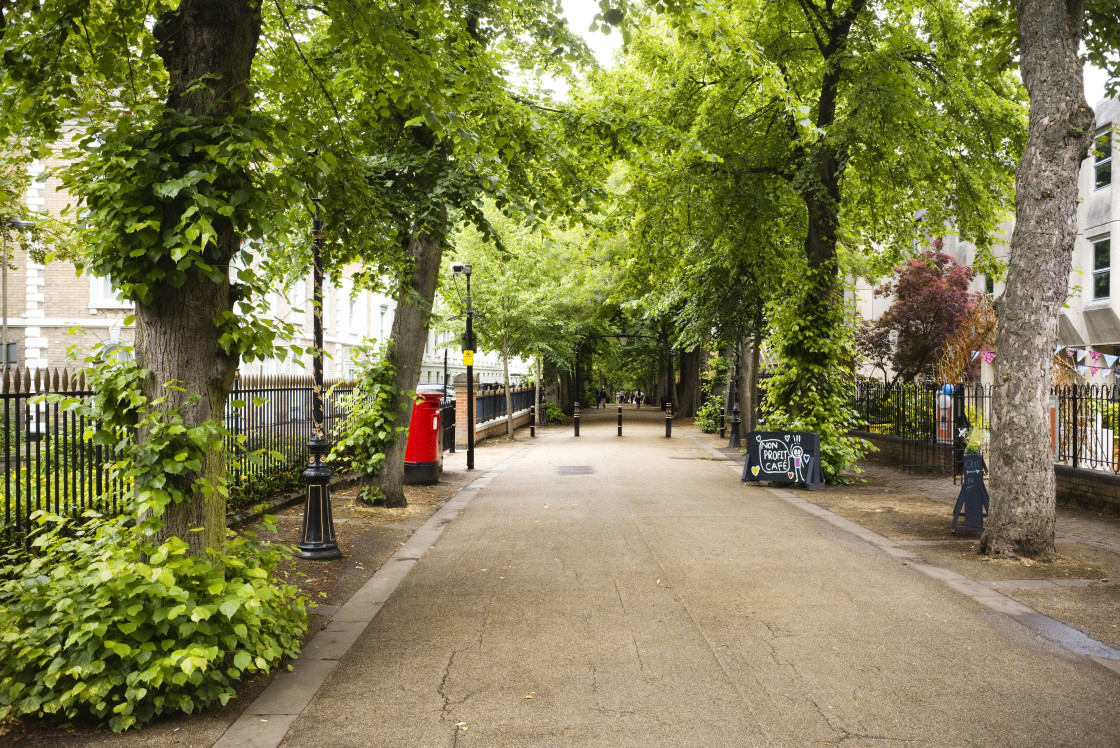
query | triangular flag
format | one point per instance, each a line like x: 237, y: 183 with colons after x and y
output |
x: 1082, y: 370
x: 1058, y: 349
x: 1071, y: 352
x: 1096, y: 356
x: 975, y: 354
x: 1109, y: 361
x: 989, y: 356
x: 1082, y: 355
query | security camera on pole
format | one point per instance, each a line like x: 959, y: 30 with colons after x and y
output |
x: 457, y: 269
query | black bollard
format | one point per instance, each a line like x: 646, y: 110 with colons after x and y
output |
x: 668, y: 420
x: 722, y: 422
x: 734, y: 440
x: 620, y: 420
x: 972, y: 503
x: 575, y: 417
x: 532, y: 420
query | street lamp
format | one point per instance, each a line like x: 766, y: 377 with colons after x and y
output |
x: 18, y: 225
x: 457, y: 269
x: 318, y: 541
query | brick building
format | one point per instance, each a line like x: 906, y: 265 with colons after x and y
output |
x: 55, y: 315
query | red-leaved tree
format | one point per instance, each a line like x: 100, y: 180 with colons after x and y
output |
x: 931, y: 300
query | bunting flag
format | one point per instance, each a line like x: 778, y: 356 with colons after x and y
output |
x: 1082, y: 370
x: 974, y: 355
x: 1109, y: 361
x: 1096, y: 356
x: 1058, y: 349
x: 1071, y: 352
x: 1082, y: 355
x: 989, y: 356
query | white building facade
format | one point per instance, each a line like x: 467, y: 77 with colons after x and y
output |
x: 1090, y: 321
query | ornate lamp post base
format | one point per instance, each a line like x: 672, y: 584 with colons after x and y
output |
x: 317, y: 539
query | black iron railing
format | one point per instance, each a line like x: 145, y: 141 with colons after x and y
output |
x: 1084, y: 420
x: 491, y: 404
x: 48, y: 465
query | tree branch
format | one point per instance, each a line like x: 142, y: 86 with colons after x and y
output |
x: 306, y: 63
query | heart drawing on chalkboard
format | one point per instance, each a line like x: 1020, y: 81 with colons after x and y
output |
x: 790, y: 475
x: 754, y: 469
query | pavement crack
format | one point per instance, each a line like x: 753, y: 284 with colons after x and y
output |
x: 441, y: 690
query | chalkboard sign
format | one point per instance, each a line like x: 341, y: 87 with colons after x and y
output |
x: 784, y: 457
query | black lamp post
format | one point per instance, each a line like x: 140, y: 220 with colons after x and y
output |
x: 458, y: 268
x: 318, y: 541
x: 578, y: 395
x: 734, y: 441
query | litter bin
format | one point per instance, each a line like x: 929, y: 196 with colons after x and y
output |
x: 423, y: 457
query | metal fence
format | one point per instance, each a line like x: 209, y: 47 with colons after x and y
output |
x: 491, y: 403
x: 273, y: 414
x: 47, y: 465
x: 1084, y: 422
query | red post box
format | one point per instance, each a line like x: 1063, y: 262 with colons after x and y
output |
x: 423, y: 457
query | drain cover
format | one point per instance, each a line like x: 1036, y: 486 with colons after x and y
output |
x: 574, y: 470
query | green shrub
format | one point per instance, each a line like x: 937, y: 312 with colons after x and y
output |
x: 555, y: 415
x: 102, y: 622
x: 707, y: 416
x: 369, y: 427
x: 372, y: 495
x: 277, y: 480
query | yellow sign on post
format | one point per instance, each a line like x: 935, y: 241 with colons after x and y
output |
x: 468, y: 358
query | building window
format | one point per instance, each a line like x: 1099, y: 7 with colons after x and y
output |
x: 989, y: 285
x: 12, y: 353
x: 1102, y: 159
x: 104, y: 295
x: 1102, y: 265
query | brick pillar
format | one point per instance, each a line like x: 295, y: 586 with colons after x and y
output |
x: 461, y: 419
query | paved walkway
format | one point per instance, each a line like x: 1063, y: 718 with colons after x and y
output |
x: 630, y: 592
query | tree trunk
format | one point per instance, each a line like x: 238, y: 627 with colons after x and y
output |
x: 406, y: 354
x: 1060, y: 132
x: 177, y: 340
x: 754, y: 372
x: 690, y: 383
x: 505, y: 381
x: 564, y: 385
x: 537, y: 393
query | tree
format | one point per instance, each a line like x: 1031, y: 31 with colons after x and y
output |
x: 931, y: 300
x: 1060, y: 133
x: 177, y: 164
x: 856, y: 115
x: 875, y: 344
